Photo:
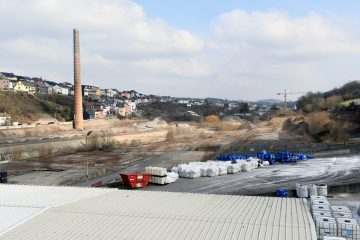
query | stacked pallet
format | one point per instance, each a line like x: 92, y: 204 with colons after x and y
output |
x: 333, y: 221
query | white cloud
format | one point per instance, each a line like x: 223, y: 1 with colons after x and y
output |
x: 247, y: 55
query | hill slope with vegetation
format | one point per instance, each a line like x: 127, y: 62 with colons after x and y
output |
x: 25, y: 108
x: 313, y: 102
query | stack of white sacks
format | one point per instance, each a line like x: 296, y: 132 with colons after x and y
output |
x: 161, y: 176
x: 333, y: 221
x: 215, y: 168
x: 310, y: 190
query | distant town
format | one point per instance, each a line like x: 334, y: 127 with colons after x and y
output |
x: 100, y: 103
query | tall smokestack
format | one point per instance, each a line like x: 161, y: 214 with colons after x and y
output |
x: 78, y: 122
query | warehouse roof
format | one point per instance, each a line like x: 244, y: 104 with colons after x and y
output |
x: 19, y: 202
x: 125, y: 214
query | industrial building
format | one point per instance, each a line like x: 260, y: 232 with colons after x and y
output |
x: 44, y: 212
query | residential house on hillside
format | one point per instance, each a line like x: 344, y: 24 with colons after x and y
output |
x: 24, y: 78
x: 126, y: 94
x: 8, y: 76
x: 60, y: 89
x: 110, y: 93
x: 4, y: 84
x: 24, y: 86
x: 43, y: 88
x: 91, y: 91
x: 67, y: 84
x: 94, y: 110
x: 183, y: 101
x: 123, y: 109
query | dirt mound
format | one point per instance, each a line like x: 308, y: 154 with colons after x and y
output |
x: 296, y: 125
x: 276, y: 122
x: 45, y: 121
x: 154, y: 124
x: 234, y: 120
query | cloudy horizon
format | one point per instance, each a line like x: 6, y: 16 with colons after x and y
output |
x: 242, y: 53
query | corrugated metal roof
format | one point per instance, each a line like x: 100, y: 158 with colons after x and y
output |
x: 19, y: 202
x: 44, y: 196
x: 123, y: 214
x: 11, y: 216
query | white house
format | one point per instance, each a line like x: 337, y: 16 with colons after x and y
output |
x: 60, y: 89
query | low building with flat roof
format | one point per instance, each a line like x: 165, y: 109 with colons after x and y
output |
x: 42, y: 213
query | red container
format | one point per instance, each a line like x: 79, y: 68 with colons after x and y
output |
x: 135, y: 180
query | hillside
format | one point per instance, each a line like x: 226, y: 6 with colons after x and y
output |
x: 348, y: 91
x: 314, y: 102
x: 25, y: 108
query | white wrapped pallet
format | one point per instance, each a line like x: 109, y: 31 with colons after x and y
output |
x: 341, y: 212
x: 320, y: 202
x: 322, y: 190
x: 203, y: 170
x: 212, y: 171
x: 342, y: 215
x: 301, y: 191
x: 318, y: 214
x: 340, y: 209
x: 231, y: 169
x: 158, y: 171
x: 312, y: 198
x: 175, y: 170
x: 158, y: 180
x: 320, y: 208
x: 348, y: 228
x: 171, y: 177
x: 246, y: 167
x: 333, y: 238
x: 326, y: 227
x: 222, y: 170
x: 312, y: 189
x: 194, y: 173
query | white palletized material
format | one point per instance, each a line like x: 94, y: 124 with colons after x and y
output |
x: 322, y: 190
x: 203, y: 171
x: 312, y: 189
x: 341, y: 212
x: 318, y: 214
x: 320, y: 208
x: 158, y: 180
x: 266, y: 163
x: 325, y: 227
x: 313, y: 198
x: 171, y: 177
x: 158, y: 171
x: 233, y: 168
x: 342, y: 215
x: 343, y: 209
x: 222, y: 170
x: 333, y: 238
x: 214, y: 168
x: 320, y: 202
x: 175, y: 169
x: 348, y: 228
x: 246, y: 167
x: 301, y: 191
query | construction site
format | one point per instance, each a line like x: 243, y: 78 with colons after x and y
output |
x: 213, y: 179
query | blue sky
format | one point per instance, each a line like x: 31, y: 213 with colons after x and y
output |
x: 241, y: 50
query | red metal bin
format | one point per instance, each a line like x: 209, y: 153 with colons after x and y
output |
x: 135, y: 180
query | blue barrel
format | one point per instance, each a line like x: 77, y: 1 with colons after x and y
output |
x: 281, y: 192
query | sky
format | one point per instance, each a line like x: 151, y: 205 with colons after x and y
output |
x: 240, y: 50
